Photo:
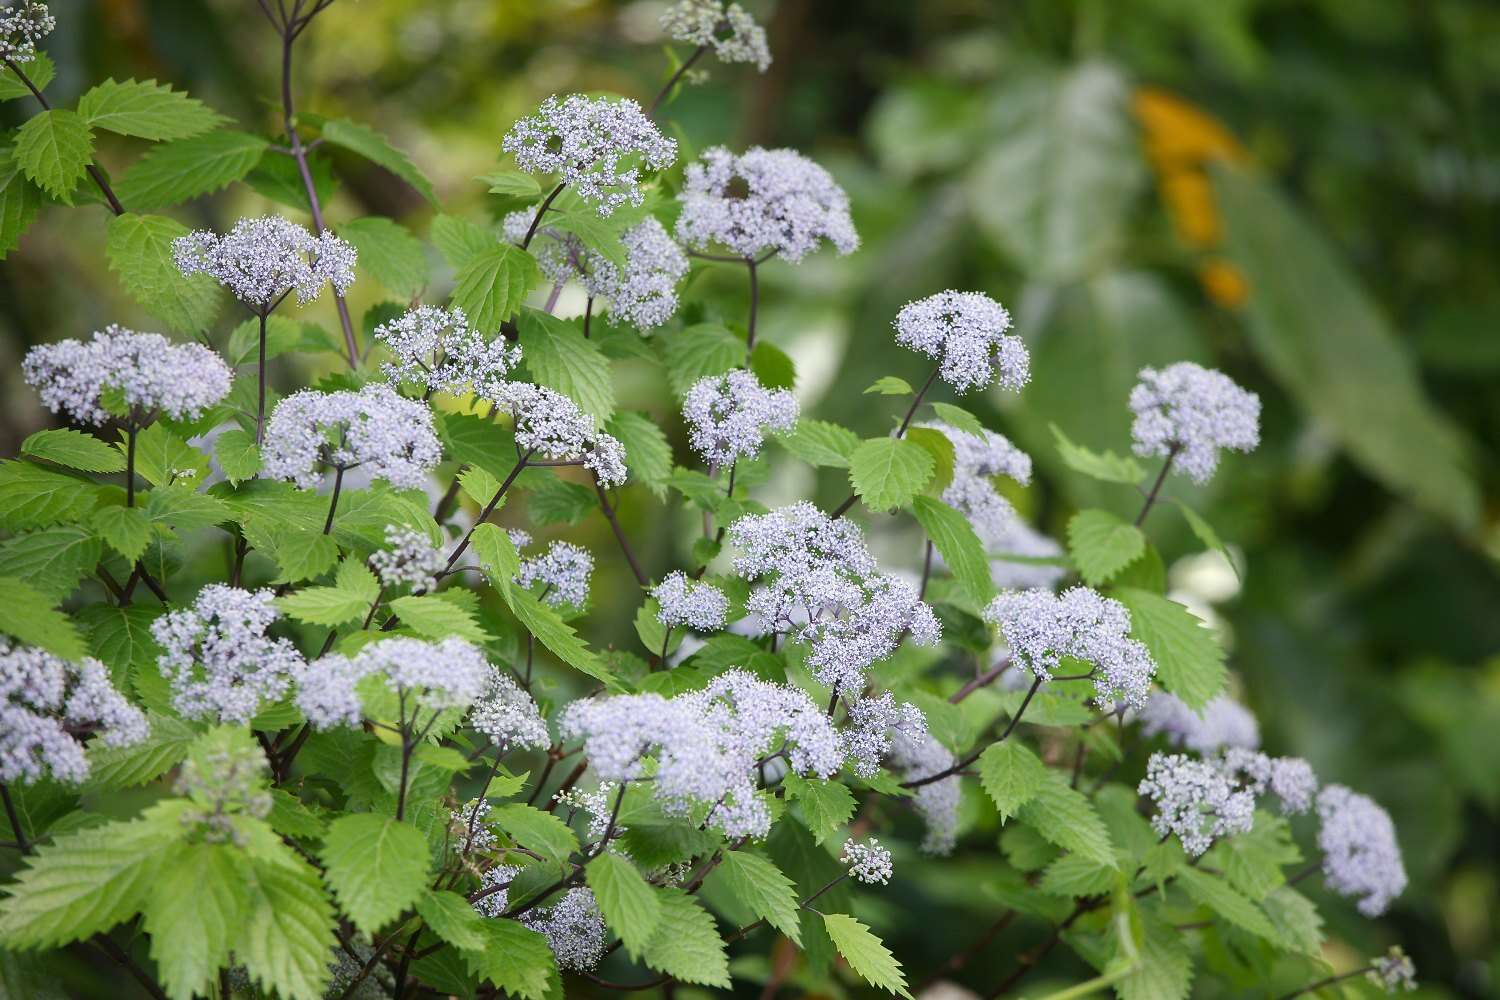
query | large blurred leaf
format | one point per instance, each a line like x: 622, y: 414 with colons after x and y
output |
x: 1332, y: 350
x: 1054, y: 188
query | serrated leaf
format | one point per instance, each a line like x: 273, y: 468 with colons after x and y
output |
x: 511, y: 183
x: 699, y: 351
x: 377, y: 149
x: 164, y: 459
x: 496, y: 552
x: 125, y: 529
x: 535, y: 830
x: 286, y: 942
x: 376, y: 867
x: 889, y: 472
x: 329, y: 606
x: 1299, y: 926
x: 763, y: 888
x: 1216, y: 894
x: 820, y: 443
x: 179, y: 171
x: 515, y: 959
x: 194, y: 913
x: 958, y: 418
x: 557, y: 635
x: 436, y: 618
x: 121, y: 637
x: 283, y: 335
x: 687, y: 945
x: 354, y: 577
x: 1253, y: 860
x: 30, y: 617
x: 303, y: 555
x: 39, y: 69
x: 1074, y: 876
x: 557, y: 356
x: 954, y: 538
x: 20, y: 201
x: 890, y: 385
x: 631, y: 908
x: 491, y: 285
x: 865, y: 953
x: 773, y: 367
x: 183, y: 509
x: 826, y: 805
x: 1164, y: 966
x: 34, y: 497
x: 74, y: 450
x: 139, y: 248
x: 239, y: 458
x: 1189, y: 659
x: 53, y: 148
x: 390, y: 252
x: 51, y: 560
x: 452, y: 918
x: 648, y: 453
x: 1207, y: 535
x: 1104, y: 466
x: 1065, y: 817
x: 147, y: 110
x: 1012, y: 776
x: 459, y: 240
x: 1101, y: 544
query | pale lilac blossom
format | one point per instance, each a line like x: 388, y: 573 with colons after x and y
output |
x: 149, y: 372
x: 727, y: 29
x: 261, y: 261
x: 968, y: 333
x: 1361, y: 857
x: 691, y: 603
x: 391, y: 437
x: 729, y: 415
x: 438, y: 349
x: 1192, y: 412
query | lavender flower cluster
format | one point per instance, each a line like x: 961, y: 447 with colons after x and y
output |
x: 563, y: 570
x: 508, y: 715
x: 1222, y: 723
x: 23, y: 23
x: 552, y: 425
x: 263, y: 260
x: 149, y: 372
x: 409, y: 560
x: 727, y: 29
x: 976, y: 461
x: 868, y: 862
x: 915, y: 758
x: 435, y: 675
x: 968, y: 334
x: 691, y: 603
x: 1192, y: 412
x: 438, y: 349
x: 1361, y: 857
x: 390, y: 436
x: 729, y: 415
x: 574, y: 929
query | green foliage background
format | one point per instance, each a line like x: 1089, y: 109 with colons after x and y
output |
x: 1335, y: 250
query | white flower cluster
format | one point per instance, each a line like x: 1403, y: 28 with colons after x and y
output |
x: 574, y: 928
x: 391, y: 436
x: 1290, y: 779
x: 148, y: 370
x: 596, y: 805
x: 976, y: 460
x: 262, y: 260
x: 496, y: 902
x: 1196, y: 801
x: 218, y: 658
x: 968, y: 332
x: 763, y: 201
x: 23, y: 23
x: 729, y: 30
x: 708, y: 744
x: 729, y: 415
x: 872, y: 722
x: 438, y: 675
x: 868, y: 863
x: 551, y: 424
x: 45, y: 702
x: 697, y: 605
x: 1041, y: 628
x: 937, y: 801
x: 1223, y: 722
x: 468, y: 827
x: 508, y: 715
x: 1394, y: 971
x: 409, y: 560
x: 1011, y: 553
x: 1360, y: 854
x: 563, y: 571
x: 596, y: 145
x: 1193, y: 411
x: 819, y: 584
x: 437, y: 348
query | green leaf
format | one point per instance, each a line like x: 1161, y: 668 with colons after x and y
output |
x: 82, y: 883
x: 491, y: 285
x: 283, y: 335
x: 647, y: 451
x: 515, y: 959
x: 687, y: 945
x: 1104, y: 466
x: 773, y: 367
x: 376, y: 867
x: 437, y: 618
x: 1074, y: 876
x: 179, y: 171
x: 1164, y: 969
x: 1214, y: 893
x: 890, y: 385
x: 452, y: 918
x: 51, y: 560
x: 1253, y: 860
x: 1062, y: 169
x: 53, y: 148
x: 496, y: 552
x: 354, y: 577
x: 558, y: 356
x: 74, y: 450
x: 826, y: 805
x: 390, y: 252
x: 699, y: 351
x: 20, y: 201
x: 29, y: 616
x: 1207, y: 535
x: 182, y: 509
x: 958, y: 418
x: 1327, y: 343
x: 599, y: 234
x: 39, y: 70
x: 121, y: 637
x: 763, y: 888
x: 377, y: 149
x: 557, y: 635
x: 113, y: 768
x: 139, y: 248
x: 329, y: 606
x: 126, y: 529
x: 238, y: 456
x: 1299, y: 926
x: 194, y: 914
x: 631, y: 907
x: 1189, y: 659
x: 937, y: 445
x: 820, y: 443
x: 162, y: 458
x: 1065, y: 817
x: 537, y: 831
x: 34, y: 497
x: 1012, y: 775
x: 888, y: 472
x: 146, y: 110
x: 511, y: 184
x: 286, y: 943
x: 865, y: 953
x: 1101, y: 544
x: 954, y: 538
x: 459, y: 240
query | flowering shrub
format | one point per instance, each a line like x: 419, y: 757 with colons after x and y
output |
x: 385, y: 755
